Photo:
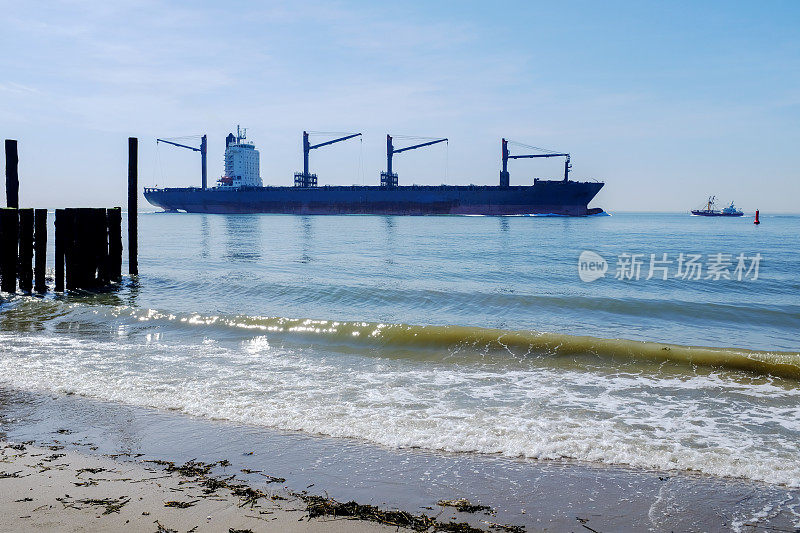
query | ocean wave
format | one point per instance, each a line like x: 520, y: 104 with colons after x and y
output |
x: 429, y: 341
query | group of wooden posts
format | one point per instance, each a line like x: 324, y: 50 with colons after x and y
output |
x: 88, y: 241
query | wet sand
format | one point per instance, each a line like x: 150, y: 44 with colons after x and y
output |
x: 43, y: 489
x: 540, y: 495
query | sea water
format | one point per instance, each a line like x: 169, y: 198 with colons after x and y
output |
x: 471, y: 335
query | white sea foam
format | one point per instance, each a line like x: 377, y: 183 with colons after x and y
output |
x: 704, y: 422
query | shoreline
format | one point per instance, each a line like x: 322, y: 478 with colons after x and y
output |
x: 535, y: 494
x: 54, y: 489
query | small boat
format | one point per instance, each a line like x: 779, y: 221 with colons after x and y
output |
x: 709, y: 211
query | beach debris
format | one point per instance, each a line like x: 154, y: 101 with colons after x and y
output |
x: 87, y: 483
x: 18, y: 447
x: 24, y: 500
x: 63, y: 431
x: 190, y: 468
x: 273, y: 479
x: 90, y: 470
x: 318, y: 506
x: 4, y: 475
x: 248, y: 471
x: 583, y: 523
x: 505, y: 527
x: 211, y: 485
x: 163, y: 529
x: 247, y: 495
x: 231, y: 530
x: 224, y: 463
x: 180, y: 505
x: 112, y: 505
x: 463, y: 505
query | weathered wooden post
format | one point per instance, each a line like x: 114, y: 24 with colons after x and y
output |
x: 82, y: 245
x: 12, y: 174
x: 101, y: 240
x: 61, y: 229
x: 133, y: 198
x: 40, y: 247
x: 68, y: 240
x: 25, y: 264
x: 115, y: 243
x: 9, y: 231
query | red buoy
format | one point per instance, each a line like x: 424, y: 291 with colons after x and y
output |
x: 756, y: 221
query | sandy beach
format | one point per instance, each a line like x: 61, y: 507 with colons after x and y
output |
x: 139, y: 444
x: 53, y: 489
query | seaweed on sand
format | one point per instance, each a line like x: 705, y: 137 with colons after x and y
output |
x: 112, y: 505
x: 246, y: 494
x: 188, y: 469
x: 90, y: 470
x: 317, y: 506
x: 180, y: 505
x: 163, y: 529
x: 211, y: 484
x: 463, y: 505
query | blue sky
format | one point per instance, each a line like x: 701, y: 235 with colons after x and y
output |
x: 667, y: 102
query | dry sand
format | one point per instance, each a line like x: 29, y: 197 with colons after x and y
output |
x: 52, y: 489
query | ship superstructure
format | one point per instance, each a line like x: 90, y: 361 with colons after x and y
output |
x: 241, y: 162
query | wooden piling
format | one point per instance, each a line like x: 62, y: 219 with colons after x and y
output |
x: 83, y: 254
x: 133, y: 198
x: 114, y: 217
x: 60, y: 224
x: 9, y: 231
x: 101, y: 246
x: 25, y: 259
x: 40, y: 247
x: 70, y: 253
x: 12, y: 174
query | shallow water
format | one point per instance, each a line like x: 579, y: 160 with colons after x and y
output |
x: 332, y: 326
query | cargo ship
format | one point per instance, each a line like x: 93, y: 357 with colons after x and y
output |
x: 240, y: 189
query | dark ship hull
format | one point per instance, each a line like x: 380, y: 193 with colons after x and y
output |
x: 543, y: 197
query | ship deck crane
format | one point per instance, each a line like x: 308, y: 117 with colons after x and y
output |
x: 389, y: 178
x: 203, y: 154
x: 504, y: 175
x: 305, y: 179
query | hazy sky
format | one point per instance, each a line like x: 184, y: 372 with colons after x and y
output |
x: 667, y: 102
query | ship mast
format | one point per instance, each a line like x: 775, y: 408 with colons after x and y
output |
x: 506, y: 155
x: 203, y: 154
